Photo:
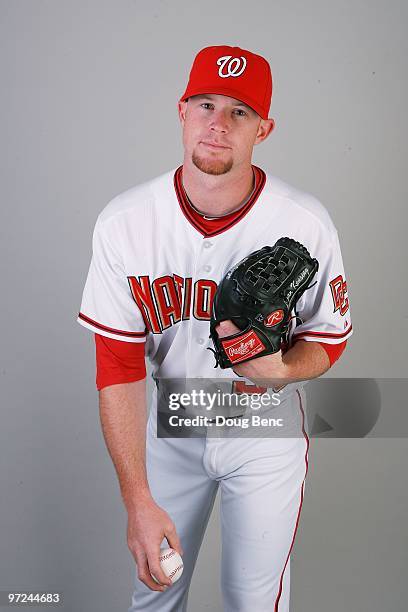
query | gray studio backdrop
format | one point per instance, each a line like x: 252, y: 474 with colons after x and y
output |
x: 88, y: 109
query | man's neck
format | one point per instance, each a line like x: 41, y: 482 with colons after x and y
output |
x: 216, y: 195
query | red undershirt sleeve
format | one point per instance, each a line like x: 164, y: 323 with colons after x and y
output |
x: 118, y: 361
x: 333, y: 350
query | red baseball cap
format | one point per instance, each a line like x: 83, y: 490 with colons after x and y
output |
x: 233, y: 72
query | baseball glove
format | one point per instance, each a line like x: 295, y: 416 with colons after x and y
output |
x: 258, y: 294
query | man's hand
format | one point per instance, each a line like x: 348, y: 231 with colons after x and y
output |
x: 148, y: 524
x: 304, y: 360
x: 268, y: 367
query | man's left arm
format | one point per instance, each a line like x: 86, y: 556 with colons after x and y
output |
x: 303, y: 361
x: 324, y: 323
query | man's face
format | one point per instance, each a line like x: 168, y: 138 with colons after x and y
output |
x: 219, y: 132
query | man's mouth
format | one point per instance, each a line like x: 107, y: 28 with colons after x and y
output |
x: 213, y: 145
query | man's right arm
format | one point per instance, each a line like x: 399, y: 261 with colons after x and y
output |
x: 123, y: 415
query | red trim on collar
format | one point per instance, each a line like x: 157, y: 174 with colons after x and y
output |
x: 212, y: 227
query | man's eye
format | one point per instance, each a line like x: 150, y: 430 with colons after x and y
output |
x: 206, y: 104
x: 240, y: 112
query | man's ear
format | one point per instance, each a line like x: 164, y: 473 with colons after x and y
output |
x: 265, y: 128
x: 182, y: 109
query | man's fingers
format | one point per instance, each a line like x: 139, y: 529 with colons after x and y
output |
x: 144, y: 575
x: 174, y: 542
x: 226, y: 328
x: 153, y: 560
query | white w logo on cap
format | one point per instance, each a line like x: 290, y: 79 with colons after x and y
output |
x: 234, y: 66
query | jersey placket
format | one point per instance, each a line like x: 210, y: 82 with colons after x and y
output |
x: 199, y: 329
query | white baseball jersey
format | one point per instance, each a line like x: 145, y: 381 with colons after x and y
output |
x: 154, y: 273
x: 152, y: 278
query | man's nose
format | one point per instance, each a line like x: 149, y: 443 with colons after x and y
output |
x: 220, y: 122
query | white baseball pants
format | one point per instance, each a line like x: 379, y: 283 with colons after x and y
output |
x: 261, y: 482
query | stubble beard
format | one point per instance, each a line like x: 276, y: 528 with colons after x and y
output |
x: 210, y: 165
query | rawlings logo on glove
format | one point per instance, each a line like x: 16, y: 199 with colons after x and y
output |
x: 258, y: 294
x: 242, y: 348
x: 274, y: 318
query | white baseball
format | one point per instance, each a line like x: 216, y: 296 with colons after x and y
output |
x: 171, y: 563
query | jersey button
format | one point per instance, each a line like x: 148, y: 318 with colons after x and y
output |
x: 200, y: 340
x: 207, y: 268
x: 207, y: 244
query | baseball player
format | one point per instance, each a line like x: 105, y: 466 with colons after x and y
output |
x: 160, y: 250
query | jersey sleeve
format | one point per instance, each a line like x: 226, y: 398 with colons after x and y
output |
x: 324, y: 308
x: 118, y: 362
x: 107, y: 306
